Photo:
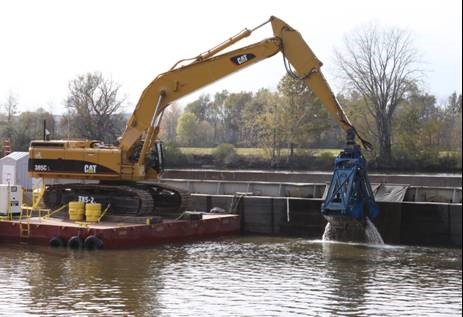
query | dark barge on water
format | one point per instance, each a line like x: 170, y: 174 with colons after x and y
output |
x: 118, y: 233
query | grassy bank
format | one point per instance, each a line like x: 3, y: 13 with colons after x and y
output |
x: 260, y: 152
x: 303, y: 159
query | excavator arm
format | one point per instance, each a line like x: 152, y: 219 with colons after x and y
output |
x: 143, y: 126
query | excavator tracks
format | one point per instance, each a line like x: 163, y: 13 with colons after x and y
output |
x: 138, y: 199
x: 170, y: 200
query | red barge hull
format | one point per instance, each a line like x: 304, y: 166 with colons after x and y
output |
x: 119, y: 235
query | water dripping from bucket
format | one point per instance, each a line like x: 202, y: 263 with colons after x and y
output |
x: 348, y: 231
x: 372, y: 233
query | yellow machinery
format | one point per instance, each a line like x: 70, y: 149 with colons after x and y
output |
x: 121, y: 169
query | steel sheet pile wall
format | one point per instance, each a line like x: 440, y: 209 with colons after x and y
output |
x: 431, y: 223
x: 398, y: 222
x: 441, y: 180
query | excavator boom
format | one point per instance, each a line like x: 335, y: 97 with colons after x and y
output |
x: 209, y: 67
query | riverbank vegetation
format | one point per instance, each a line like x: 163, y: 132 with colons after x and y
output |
x: 287, y: 128
x: 260, y: 130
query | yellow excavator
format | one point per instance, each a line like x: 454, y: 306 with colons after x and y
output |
x: 126, y: 173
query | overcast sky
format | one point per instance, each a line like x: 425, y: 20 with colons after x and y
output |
x: 45, y: 44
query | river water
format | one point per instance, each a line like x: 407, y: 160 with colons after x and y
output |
x: 243, y: 276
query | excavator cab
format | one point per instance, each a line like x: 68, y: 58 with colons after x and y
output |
x: 156, y: 157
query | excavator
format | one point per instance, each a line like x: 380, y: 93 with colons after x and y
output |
x: 125, y: 175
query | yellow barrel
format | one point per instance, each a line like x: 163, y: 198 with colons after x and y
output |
x: 76, y: 210
x: 92, y: 212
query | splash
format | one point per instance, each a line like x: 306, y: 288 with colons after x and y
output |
x: 348, y: 230
x: 372, y: 234
x: 328, y: 233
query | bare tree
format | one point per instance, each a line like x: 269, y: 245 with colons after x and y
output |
x: 93, y: 105
x: 10, y: 109
x: 453, y: 127
x: 169, y: 123
x: 381, y: 64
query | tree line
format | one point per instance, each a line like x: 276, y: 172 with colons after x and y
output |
x: 382, y: 96
x: 93, y: 110
x: 292, y: 119
x: 284, y: 122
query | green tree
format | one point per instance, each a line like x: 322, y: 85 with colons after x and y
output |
x: 216, y: 116
x: 205, y: 134
x: 304, y: 116
x: 212, y: 114
x: 454, y: 103
x: 200, y: 107
x: 251, y: 129
x: 270, y: 124
x: 418, y: 127
x: 453, y: 123
x: 29, y: 127
x: 225, y: 154
x: 233, y: 106
x: 187, y: 129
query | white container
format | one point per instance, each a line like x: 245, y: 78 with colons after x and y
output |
x: 11, y: 198
x: 13, y: 170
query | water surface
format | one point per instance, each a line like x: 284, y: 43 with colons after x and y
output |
x: 244, y: 276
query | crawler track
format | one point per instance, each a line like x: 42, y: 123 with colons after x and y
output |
x: 125, y: 199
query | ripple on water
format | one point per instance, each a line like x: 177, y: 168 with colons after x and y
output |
x: 246, y: 276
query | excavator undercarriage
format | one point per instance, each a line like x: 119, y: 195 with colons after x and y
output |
x: 135, y: 199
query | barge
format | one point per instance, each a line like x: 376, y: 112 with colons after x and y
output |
x: 118, y: 233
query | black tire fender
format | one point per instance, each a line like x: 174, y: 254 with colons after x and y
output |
x: 93, y: 243
x: 75, y: 242
x: 56, y: 242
